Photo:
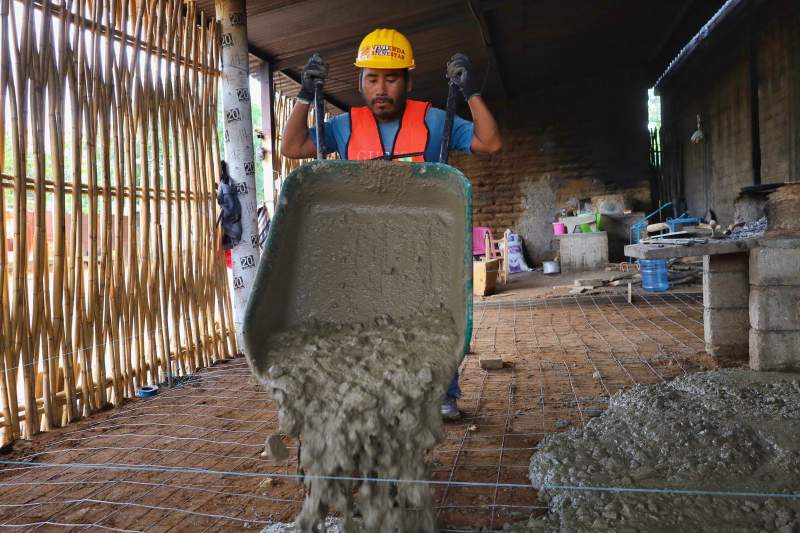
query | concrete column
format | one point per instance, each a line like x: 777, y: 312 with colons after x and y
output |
x: 775, y: 286
x: 239, y: 151
x: 579, y: 252
x: 726, y: 319
x: 775, y: 304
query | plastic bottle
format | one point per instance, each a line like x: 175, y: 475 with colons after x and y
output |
x: 654, y: 274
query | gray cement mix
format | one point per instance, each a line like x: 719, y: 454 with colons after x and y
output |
x: 364, y: 399
x: 331, y: 525
x: 353, y: 240
x: 730, y: 431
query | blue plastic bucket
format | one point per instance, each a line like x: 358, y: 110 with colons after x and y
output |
x: 654, y: 274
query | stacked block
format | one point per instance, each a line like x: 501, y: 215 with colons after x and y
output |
x: 726, y: 318
x: 775, y: 304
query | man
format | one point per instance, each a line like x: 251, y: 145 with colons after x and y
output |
x: 391, y: 126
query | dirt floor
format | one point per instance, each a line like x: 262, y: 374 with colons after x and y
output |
x: 189, y: 458
x: 538, y: 285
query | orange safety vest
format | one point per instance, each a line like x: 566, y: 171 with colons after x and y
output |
x: 409, y: 144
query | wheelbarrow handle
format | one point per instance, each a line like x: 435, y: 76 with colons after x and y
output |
x: 319, y: 118
x: 452, y: 101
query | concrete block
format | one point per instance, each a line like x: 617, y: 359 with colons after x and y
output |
x: 723, y: 290
x: 773, y: 265
x: 774, y: 350
x: 726, y: 326
x: 491, y: 363
x: 726, y: 263
x: 775, y: 308
x: 583, y: 251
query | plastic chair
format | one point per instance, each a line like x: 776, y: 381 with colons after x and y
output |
x: 479, y: 240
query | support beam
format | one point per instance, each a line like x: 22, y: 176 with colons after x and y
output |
x: 480, y: 18
x: 330, y: 99
x: 299, y: 58
x: 268, y: 130
x: 491, y: 5
x: 669, y: 31
x: 239, y: 153
x: 348, y: 44
x: 793, y: 45
x: 266, y: 58
x: 755, y: 120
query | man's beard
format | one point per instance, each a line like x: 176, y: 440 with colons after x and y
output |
x: 388, y: 114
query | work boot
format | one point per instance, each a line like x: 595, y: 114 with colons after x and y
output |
x: 450, y: 409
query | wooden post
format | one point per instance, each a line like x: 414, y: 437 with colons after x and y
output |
x: 793, y: 45
x: 239, y: 153
x: 268, y: 128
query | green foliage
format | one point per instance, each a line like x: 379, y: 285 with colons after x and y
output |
x: 653, y: 110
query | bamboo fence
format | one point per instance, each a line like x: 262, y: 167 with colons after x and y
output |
x: 108, y: 111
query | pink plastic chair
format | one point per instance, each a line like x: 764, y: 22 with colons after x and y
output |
x: 479, y: 240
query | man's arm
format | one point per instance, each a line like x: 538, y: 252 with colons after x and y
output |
x: 486, y: 139
x: 296, y: 143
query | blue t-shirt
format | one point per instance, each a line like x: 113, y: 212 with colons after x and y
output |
x: 337, y: 133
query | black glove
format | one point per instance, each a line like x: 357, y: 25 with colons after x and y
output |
x: 315, y: 70
x: 461, y: 72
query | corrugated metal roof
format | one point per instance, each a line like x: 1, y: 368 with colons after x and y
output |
x: 536, y: 42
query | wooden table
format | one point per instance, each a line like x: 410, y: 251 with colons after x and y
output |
x: 671, y: 251
x: 726, y: 290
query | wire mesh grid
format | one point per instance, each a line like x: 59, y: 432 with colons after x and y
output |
x: 189, y: 458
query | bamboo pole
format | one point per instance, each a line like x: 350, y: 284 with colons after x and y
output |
x: 117, y: 295
x: 169, y: 307
x: 7, y: 385
x: 56, y: 80
x: 21, y: 49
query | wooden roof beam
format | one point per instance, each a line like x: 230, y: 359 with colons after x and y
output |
x: 263, y: 56
x: 435, y: 18
x: 476, y: 8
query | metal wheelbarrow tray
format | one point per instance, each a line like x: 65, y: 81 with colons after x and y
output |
x: 351, y: 241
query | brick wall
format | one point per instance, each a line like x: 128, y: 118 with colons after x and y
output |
x: 576, y: 140
x: 716, y: 84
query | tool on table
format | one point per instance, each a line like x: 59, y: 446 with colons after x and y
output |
x: 640, y: 227
x: 683, y: 220
x: 673, y: 242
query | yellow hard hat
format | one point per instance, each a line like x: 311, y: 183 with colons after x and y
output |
x: 384, y: 48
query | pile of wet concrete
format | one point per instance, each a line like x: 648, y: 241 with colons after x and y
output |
x: 685, y: 442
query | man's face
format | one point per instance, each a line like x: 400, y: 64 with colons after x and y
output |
x: 384, y: 91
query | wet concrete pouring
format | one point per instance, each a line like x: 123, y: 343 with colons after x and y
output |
x: 364, y: 399
x: 565, y: 358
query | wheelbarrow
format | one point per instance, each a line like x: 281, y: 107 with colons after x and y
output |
x: 353, y: 240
